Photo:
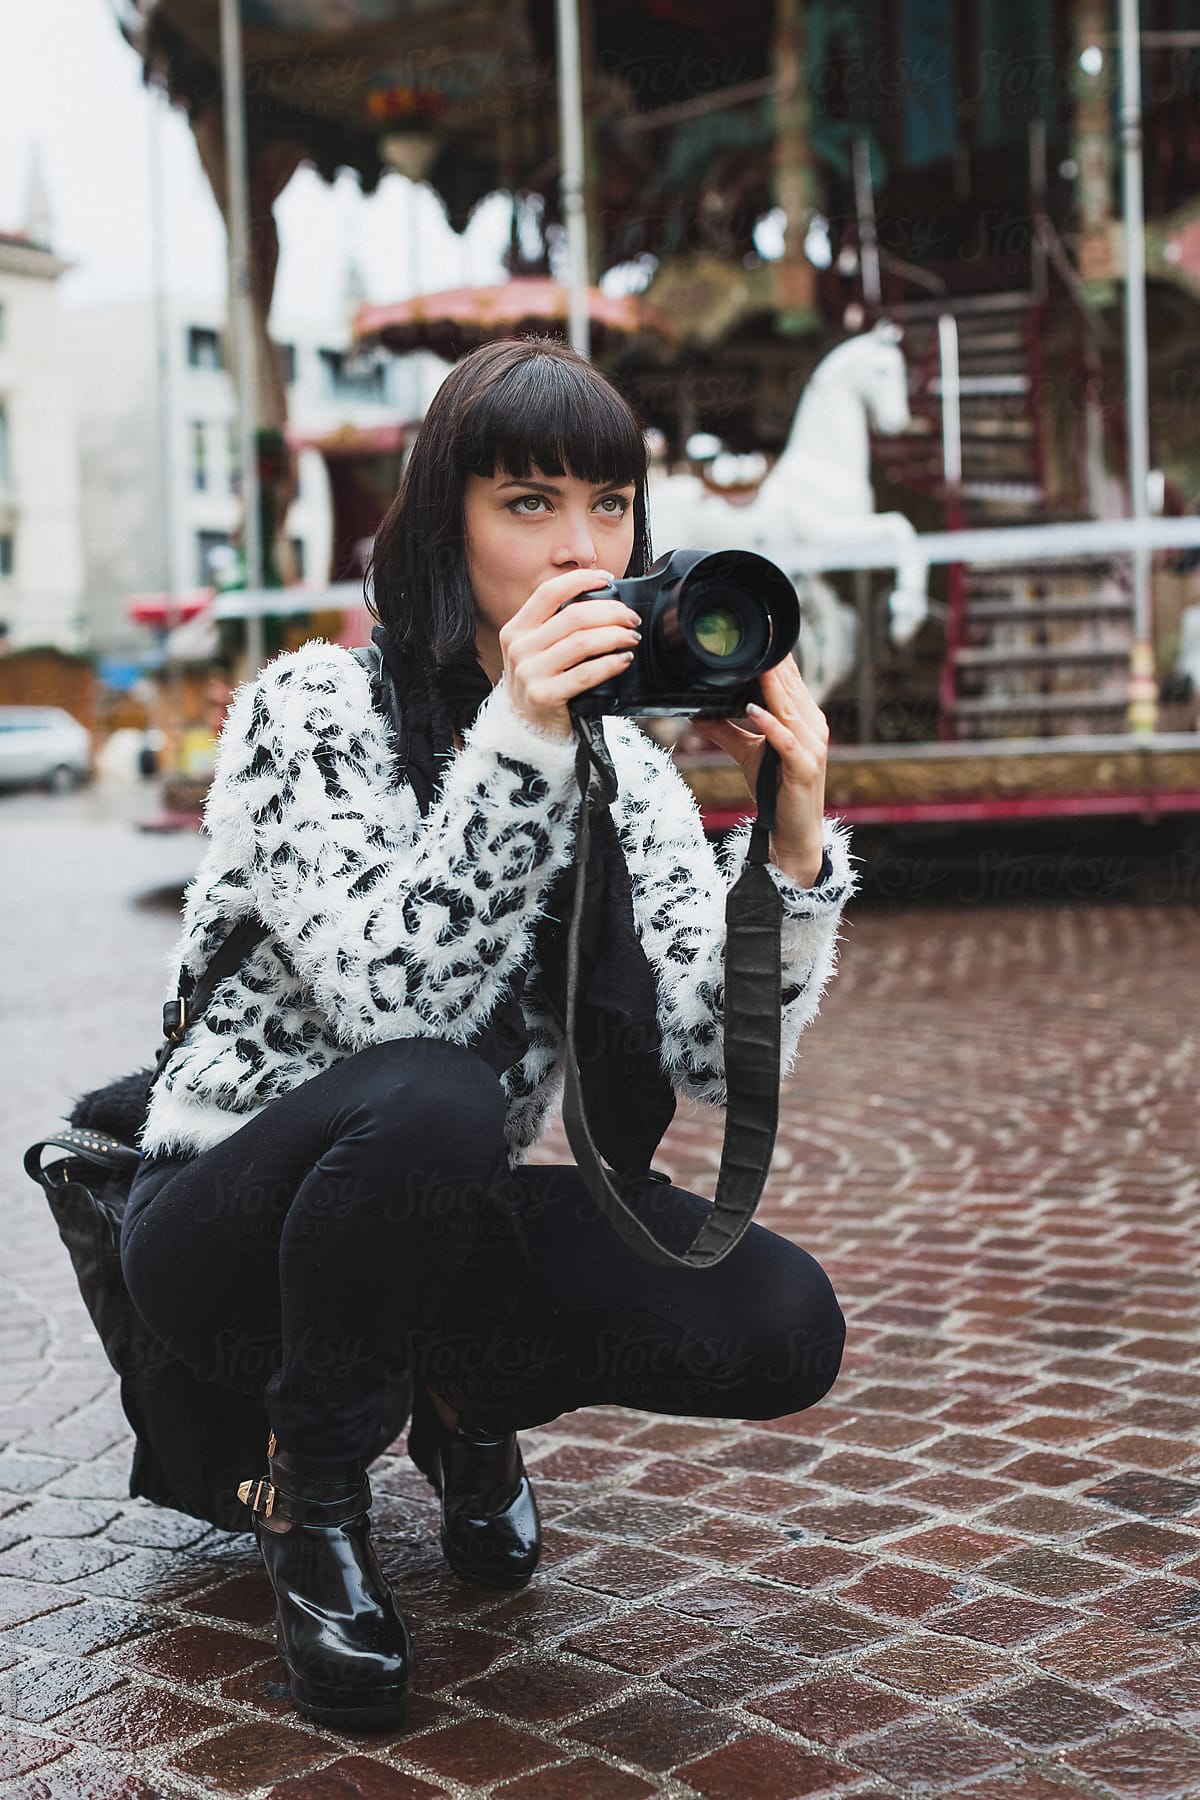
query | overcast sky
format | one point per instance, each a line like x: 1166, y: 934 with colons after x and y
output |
x: 71, y: 86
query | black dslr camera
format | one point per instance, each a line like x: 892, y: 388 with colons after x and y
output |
x: 712, y: 621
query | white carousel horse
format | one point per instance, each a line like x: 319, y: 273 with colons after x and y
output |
x: 818, y: 491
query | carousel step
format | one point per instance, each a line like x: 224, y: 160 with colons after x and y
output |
x: 992, y: 572
x: 1045, y: 656
x: 986, y: 610
x: 991, y: 459
x: 1014, y: 493
x: 996, y: 428
x: 1014, y: 300
x: 988, y: 731
x: 1009, y: 705
x: 987, y: 427
x: 973, y: 387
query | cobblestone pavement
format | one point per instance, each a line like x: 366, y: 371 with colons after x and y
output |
x: 971, y: 1571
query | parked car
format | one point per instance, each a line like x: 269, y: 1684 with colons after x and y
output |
x: 43, y: 746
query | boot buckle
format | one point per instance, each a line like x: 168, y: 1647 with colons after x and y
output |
x: 247, y: 1489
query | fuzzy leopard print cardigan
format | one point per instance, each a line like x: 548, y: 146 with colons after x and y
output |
x: 384, y: 924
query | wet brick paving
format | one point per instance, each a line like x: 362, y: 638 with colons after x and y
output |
x: 971, y: 1571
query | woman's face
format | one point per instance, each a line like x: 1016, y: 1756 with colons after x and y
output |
x: 520, y: 533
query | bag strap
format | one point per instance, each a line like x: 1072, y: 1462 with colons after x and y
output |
x: 98, y: 1147
x: 384, y: 696
x: 181, y: 1012
x: 92, y: 1146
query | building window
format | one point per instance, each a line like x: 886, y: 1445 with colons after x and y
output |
x: 199, y: 456
x: 208, y: 542
x: 234, y: 456
x: 204, y: 348
x: 347, y: 377
x: 286, y: 357
x: 7, y: 553
x: 5, y: 468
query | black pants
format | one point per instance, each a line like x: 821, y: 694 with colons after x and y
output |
x: 369, y: 1219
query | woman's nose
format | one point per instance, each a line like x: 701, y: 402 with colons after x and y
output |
x: 578, y: 548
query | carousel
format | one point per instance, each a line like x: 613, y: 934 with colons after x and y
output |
x: 825, y: 381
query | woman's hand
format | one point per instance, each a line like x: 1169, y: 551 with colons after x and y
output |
x: 550, y: 655
x: 799, y: 731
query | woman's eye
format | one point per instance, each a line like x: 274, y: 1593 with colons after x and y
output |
x: 518, y: 505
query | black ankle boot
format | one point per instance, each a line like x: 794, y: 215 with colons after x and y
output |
x: 490, y: 1530
x: 342, y: 1638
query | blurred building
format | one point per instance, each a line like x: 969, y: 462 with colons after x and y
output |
x: 41, y: 567
x: 160, y: 507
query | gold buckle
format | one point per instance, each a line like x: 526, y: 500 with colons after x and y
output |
x: 245, y: 1488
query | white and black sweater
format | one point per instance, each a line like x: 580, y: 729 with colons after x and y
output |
x: 384, y: 924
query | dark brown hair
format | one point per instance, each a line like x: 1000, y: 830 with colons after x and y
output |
x: 514, y: 405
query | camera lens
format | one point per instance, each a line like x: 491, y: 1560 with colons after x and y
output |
x: 718, y: 630
x: 715, y: 619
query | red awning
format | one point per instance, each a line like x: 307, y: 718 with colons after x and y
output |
x: 167, y: 609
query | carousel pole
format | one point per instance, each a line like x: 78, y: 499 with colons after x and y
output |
x: 172, y: 677
x: 1143, y: 710
x: 242, y: 310
x: 868, y: 241
x: 412, y: 222
x: 793, y: 278
x: 571, y: 179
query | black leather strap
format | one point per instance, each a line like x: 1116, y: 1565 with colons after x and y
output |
x: 92, y: 1146
x: 230, y: 956
x: 386, y: 701
x: 752, y: 1023
x: 274, y: 1500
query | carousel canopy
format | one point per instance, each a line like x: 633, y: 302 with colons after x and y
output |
x: 464, y: 96
x: 455, y: 321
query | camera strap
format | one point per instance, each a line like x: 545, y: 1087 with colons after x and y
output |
x: 752, y: 1025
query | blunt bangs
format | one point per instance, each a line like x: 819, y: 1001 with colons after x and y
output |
x: 555, y: 416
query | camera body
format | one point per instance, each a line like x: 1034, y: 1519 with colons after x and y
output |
x: 712, y: 621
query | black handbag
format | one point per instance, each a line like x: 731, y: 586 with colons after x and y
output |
x: 194, y: 1438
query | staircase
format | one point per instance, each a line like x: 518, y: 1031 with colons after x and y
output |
x: 1040, y: 650
x: 1036, y: 649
